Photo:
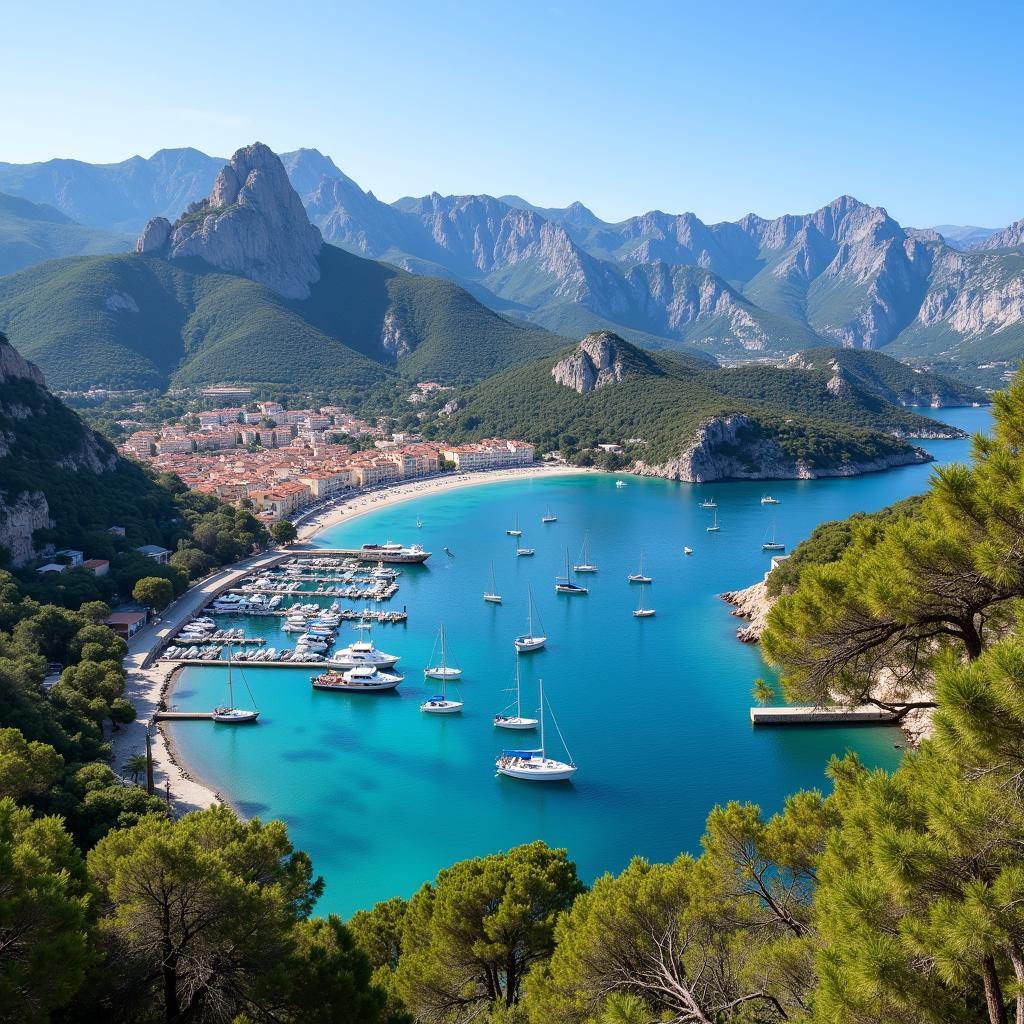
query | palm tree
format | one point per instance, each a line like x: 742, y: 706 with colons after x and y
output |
x: 135, y: 766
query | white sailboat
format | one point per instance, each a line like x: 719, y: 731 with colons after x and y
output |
x: 515, y: 532
x: 528, y: 641
x: 491, y: 594
x: 516, y: 721
x: 708, y: 503
x: 620, y: 484
x: 228, y: 713
x: 585, y: 564
x: 522, y: 552
x: 439, y: 704
x: 769, y: 500
x: 773, y: 544
x: 443, y: 670
x: 640, y: 611
x: 564, y: 585
x: 639, y: 577
x: 714, y: 527
x: 687, y: 551
x: 548, y: 517
x: 535, y: 765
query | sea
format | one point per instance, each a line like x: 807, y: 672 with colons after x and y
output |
x: 655, y: 711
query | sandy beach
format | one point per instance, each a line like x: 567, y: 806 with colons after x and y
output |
x: 151, y: 683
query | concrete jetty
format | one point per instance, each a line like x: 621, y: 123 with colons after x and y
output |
x: 807, y: 715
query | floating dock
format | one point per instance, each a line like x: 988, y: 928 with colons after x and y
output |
x: 159, y: 716
x: 864, y: 714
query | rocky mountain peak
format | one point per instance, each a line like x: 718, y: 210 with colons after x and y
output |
x: 15, y: 367
x: 253, y: 223
x: 1009, y: 238
x: 596, y: 362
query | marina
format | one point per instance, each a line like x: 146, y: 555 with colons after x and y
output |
x: 681, y: 739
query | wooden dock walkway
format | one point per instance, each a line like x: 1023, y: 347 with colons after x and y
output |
x: 159, y: 716
x: 863, y: 714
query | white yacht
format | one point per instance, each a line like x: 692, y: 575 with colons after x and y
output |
x: 535, y: 765
x: 638, y: 576
x: 516, y: 532
x: 529, y: 641
x: 708, y: 503
x: 687, y: 551
x: 228, y: 714
x: 524, y: 552
x: 364, y: 678
x: 516, y: 721
x: 491, y: 594
x: 714, y: 527
x: 443, y: 670
x: 564, y: 585
x: 585, y: 564
x: 769, y: 500
x: 228, y: 603
x: 391, y: 552
x: 640, y: 611
x: 310, y: 642
x: 620, y: 483
x: 548, y: 517
x: 362, y: 652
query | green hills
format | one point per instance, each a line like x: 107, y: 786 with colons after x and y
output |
x: 32, y: 233
x: 141, y: 321
x: 765, y: 420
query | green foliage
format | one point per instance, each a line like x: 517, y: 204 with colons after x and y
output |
x: 829, y: 540
x: 43, y: 916
x: 468, y: 940
x: 284, y: 532
x: 27, y: 768
x: 180, y: 897
x: 153, y: 592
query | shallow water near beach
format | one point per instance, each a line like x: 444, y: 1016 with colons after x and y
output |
x: 654, y: 711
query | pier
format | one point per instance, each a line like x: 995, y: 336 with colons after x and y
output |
x: 243, y: 665
x: 159, y: 716
x: 863, y: 714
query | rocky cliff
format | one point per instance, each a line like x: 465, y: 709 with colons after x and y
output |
x: 736, y: 447
x: 1009, y: 238
x: 252, y: 223
x: 595, y: 363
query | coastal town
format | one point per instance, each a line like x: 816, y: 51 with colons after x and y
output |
x: 279, y: 461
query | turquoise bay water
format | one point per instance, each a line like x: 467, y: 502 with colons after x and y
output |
x: 654, y: 711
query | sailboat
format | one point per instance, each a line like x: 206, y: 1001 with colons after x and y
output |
x: 687, y: 551
x: 773, y: 544
x: 515, y: 532
x: 528, y: 641
x: 523, y: 551
x: 443, y: 670
x: 548, y: 517
x: 640, y: 611
x: 516, y: 721
x: 564, y: 585
x: 769, y: 500
x: 491, y: 594
x: 229, y: 714
x: 419, y: 523
x: 708, y: 503
x: 714, y: 527
x: 584, y: 564
x: 639, y: 577
x: 439, y: 704
x: 535, y: 765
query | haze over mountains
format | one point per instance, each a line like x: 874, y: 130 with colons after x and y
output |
x: 846, y: 274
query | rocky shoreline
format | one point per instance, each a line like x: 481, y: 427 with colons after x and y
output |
x: 726, y: 448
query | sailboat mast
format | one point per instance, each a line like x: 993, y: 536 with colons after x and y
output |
x: 519, y: 709
x: 543, y: 756
x: 529, y: 613
x: 231, y: 688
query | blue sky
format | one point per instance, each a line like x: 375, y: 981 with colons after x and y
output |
x: 717, y: 107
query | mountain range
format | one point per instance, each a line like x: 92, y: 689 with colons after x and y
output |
x: 241, y: 287
x: 845, y: 274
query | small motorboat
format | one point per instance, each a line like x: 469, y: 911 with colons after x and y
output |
x: 687, y: 551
